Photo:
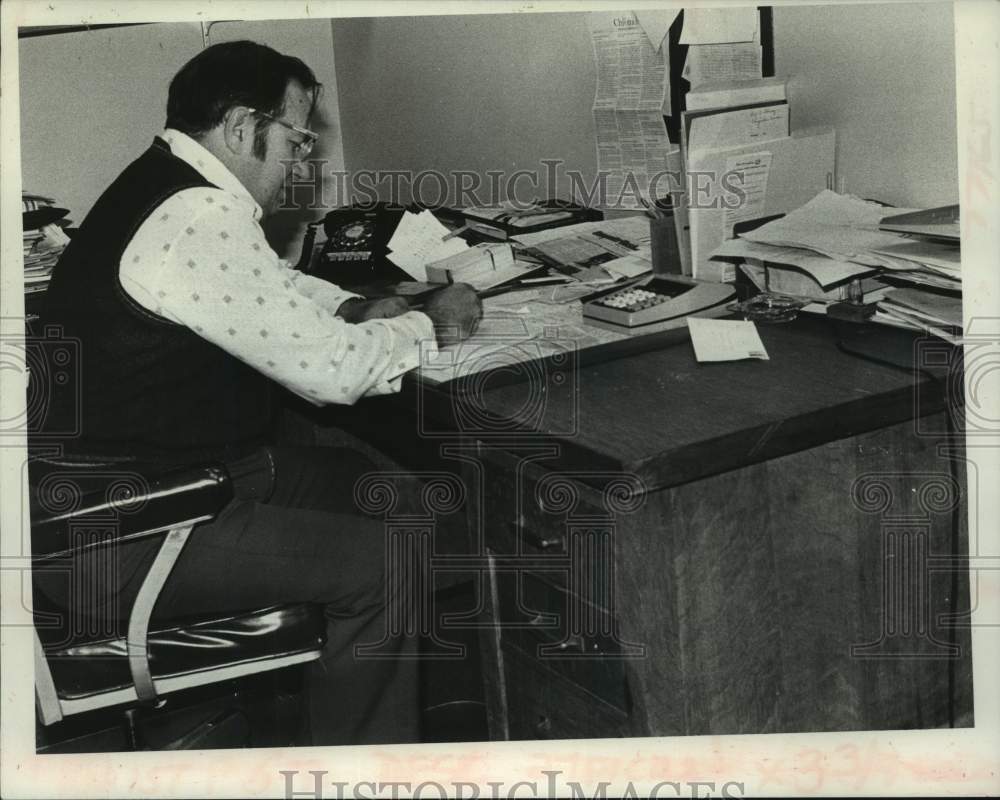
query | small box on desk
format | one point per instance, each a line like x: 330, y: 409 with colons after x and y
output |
x: 481, y: 267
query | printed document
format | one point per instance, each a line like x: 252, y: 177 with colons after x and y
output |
x: 739, y: 61
x: 632, y: 96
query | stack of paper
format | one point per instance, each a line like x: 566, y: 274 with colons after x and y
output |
x: 835, y: 240
x: 936, y: 313
x: 43, y: 240
x: 846, y: 228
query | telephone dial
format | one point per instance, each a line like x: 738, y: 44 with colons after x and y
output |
x: 356, y: 246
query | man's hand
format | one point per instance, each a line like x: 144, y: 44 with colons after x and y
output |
x: 357, y: 310
x: 455, y: 312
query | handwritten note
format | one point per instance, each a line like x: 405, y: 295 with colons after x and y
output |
x: 725, y: 340
x: 417, y: 242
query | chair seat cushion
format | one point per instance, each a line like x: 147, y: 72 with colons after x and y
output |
x: 96, y: 667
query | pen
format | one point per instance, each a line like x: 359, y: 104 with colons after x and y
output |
x: 456, y: 232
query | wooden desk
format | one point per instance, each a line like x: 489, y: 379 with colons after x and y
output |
x: 664, y: 547
x: 676, y: 548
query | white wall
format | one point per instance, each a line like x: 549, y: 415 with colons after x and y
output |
x: 884, y: 77
x: 506, y: 91
x: 484, y: 92
x: 92, y: 101
x: 477, y: 92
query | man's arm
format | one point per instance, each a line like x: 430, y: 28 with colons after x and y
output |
x: 206, y: 265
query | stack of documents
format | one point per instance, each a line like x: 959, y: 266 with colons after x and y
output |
x: 934, y: 312
x: 833, y: 241
x: 742, y: 162
x: 43, y: 240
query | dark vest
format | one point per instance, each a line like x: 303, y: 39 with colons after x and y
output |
x: 148, y: 387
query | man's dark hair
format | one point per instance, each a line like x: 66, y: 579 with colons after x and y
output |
x: 234, y: 74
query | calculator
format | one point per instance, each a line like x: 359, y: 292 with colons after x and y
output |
x: 657, y: 304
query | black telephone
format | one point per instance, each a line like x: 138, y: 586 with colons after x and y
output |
x: 357, y: 241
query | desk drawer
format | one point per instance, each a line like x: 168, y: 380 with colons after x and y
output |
x: 531, y: 518
x: 567, y: 635
x: 543, y: 705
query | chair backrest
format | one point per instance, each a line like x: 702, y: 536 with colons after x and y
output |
x: 72, y: 500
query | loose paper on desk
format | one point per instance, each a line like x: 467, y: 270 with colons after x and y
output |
x: 718, y: 25
x: 725, y: 340
x: 588, y: 243
x: 827, y: 272
x: 628, y: 266
x: 417, y: 241
x: 838, y: 226
x: 631, y: 99
x: 634, y: 229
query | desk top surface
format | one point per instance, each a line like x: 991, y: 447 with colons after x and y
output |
x: 669, y: 419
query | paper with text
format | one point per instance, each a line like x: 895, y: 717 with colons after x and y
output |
x: 739, y: 126
x: 752, y: 171
x: 417, y: 241
x: 631, y: 98
x: 725, y: 339
x: 738, y: 61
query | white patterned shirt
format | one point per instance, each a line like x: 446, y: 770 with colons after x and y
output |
x: 201, y: 260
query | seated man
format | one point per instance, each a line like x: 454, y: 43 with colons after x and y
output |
x: 187, y: 320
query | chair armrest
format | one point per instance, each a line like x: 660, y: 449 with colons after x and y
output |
x: 127, y: 502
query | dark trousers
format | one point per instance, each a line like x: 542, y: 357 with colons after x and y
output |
x: 296, y: 535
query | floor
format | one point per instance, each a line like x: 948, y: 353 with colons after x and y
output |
x: 453, y: 708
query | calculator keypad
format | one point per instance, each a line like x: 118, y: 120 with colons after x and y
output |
x: 632, y: 300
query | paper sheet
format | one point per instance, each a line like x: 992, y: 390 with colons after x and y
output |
x: 725, y: 340
x: 631, y: 98
x: 634, y: 229
x: 504, y: 338
x: 656, y: 23
x: 825, y: 271
x: 838, y: 226
x: 945, y: 257
x: 417, y: 241
x: 753, y: 170
x: 739, y: 61
x: 719, y: 25
x: 628, y: 266
x: 740, y: 126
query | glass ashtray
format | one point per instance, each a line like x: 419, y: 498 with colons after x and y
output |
x: 768, y: 307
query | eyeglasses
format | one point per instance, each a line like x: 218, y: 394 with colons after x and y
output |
x: 303, y: 148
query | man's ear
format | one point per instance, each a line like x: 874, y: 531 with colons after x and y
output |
x: 238, y: 130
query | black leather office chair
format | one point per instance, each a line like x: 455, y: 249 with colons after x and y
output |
x: 77, y: 506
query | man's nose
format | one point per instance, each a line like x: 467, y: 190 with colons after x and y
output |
x: 299, y: 170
